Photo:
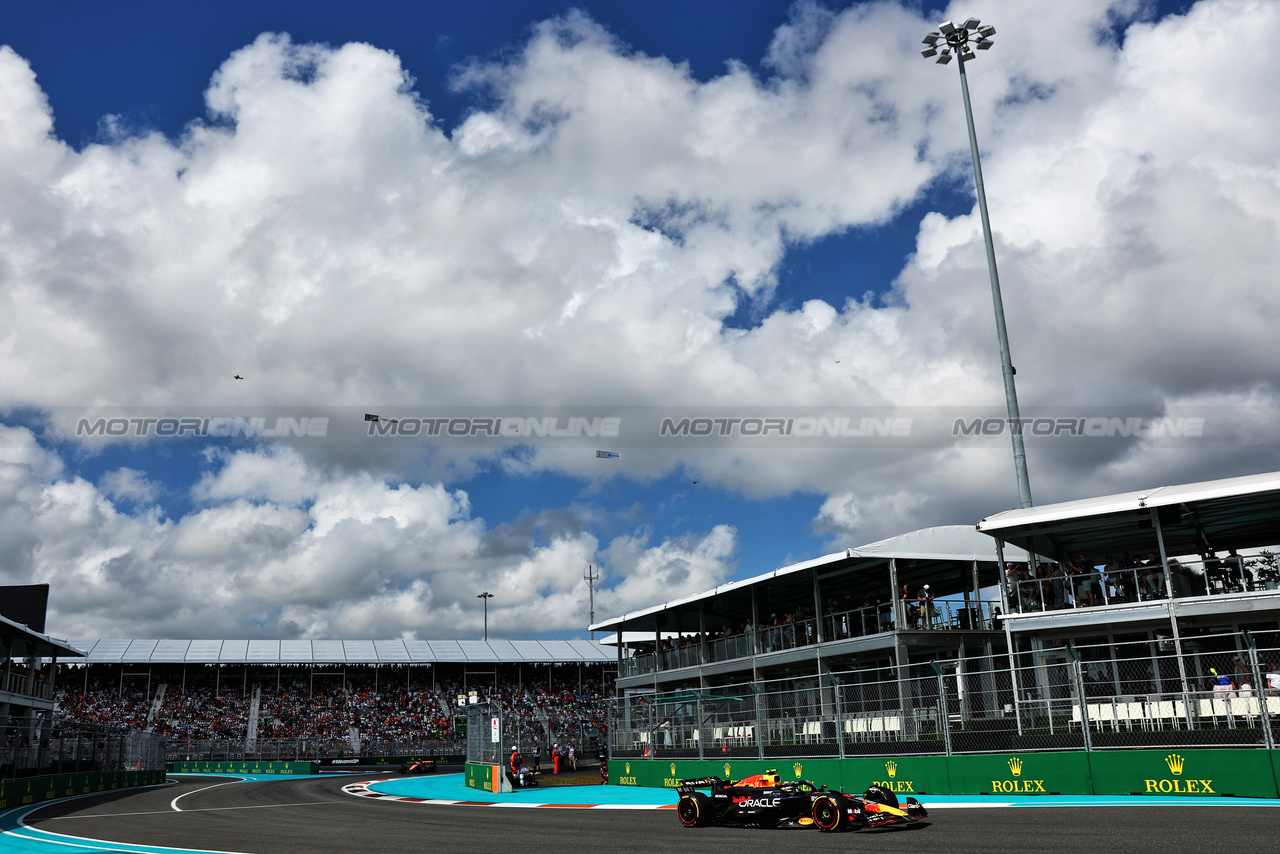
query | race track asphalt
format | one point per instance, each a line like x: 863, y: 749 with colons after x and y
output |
x: 314, y: 816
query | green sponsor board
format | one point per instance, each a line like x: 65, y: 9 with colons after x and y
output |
x: 668, y: 774
x: 18, y: 793
x: 906, y: 775
x: 902, y: 775
x: 1192, y: 772
x: 1243, y: 773
x: 283, y: 768
x: 480, y: 776
x: 636, y: 772
x: 1022, y: 774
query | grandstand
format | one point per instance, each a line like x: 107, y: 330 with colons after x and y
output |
x: 215, y: 699
x: 1140, y: 620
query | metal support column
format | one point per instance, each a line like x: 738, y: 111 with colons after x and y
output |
x: 1173, y: 612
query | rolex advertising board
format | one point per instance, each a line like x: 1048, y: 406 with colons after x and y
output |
x: 903, y: 775
x: 1022, y: 774
x: 1189, y: 772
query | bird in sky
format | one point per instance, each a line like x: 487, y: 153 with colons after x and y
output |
x: 237, y: 376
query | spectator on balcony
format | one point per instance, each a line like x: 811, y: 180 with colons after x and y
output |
x: 1215, y: 572
x: 1058, y: 587
x: 1273, y: 677
x: 924, y: 598
x: 1236, y: 576
x: 1153, y: 577
x: 910, y: 608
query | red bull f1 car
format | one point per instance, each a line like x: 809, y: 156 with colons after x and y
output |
x: 764, y: 800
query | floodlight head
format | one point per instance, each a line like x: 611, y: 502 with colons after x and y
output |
x: 944, y: 59
x: 931, y: 39
x: 947, y: 28
x: 966, y: 53
x: 928, y: 52
x: 985, y: 44
x: 987, y: 31
x: 971, y: 24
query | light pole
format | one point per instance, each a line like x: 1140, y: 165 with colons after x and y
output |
x: 948, y: 41
x: 486, y: 596
x: 591, y: 577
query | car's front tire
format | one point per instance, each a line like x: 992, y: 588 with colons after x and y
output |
x: 831, y: 813
x: 694, y: 809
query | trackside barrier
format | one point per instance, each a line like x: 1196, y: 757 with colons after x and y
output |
x: 1023, y: 774
x: 18, y: 793
x: 487, y: 778
x: 1243, y: 773
x: 394, y: 761
x: 1191, y: 772
x: 244, y: 768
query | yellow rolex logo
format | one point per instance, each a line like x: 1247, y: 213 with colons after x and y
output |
x: 628, y: 769
x: 726, y: 769
x: 798, y: 768
x: 673, y: 769
x: 891, y: 768
x: 1175, y: 763
x: 1015, y: 766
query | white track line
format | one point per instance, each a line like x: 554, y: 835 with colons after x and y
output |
x: 173, y: 804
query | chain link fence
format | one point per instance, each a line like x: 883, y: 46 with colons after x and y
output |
x: 37, y: 747
x: 1222, y: 691
x: 531, y: 733
x: 301, y: 749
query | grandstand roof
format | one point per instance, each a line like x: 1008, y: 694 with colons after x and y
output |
x: 941, y: 543
x: 153, y: 651
x: 1238, y: 512
x: 22, y: 641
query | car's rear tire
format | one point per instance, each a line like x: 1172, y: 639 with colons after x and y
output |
x: 694, y: 809
x: 831, y: 813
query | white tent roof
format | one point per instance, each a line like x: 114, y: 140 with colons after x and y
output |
x: 1193, y: 518
x: 945, y: 542
x: 1160, y: 496
x: 140, y: 651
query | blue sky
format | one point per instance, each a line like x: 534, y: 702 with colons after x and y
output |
x: 763, y: 205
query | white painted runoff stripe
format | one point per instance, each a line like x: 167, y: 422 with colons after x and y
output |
x: 173, y: 804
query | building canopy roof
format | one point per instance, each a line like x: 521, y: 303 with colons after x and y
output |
x: 274, y: 652
x: 1237, y: 512
x: 945, y: 543
x: 23, y: 642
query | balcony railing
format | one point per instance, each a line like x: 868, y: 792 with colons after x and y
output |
x: 17, y: 683
x: 941, y: 615
x: 1213, y: 577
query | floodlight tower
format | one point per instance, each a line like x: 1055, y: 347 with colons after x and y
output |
x: 591, y: 576
x: 959, y: 42
x: 486, y: 596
